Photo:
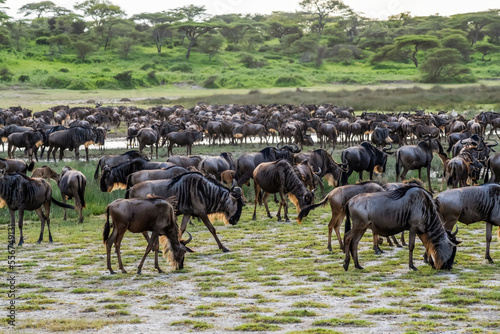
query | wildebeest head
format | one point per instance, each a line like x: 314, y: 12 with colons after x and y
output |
x: 444, y: 258
x: 381, y: 159
x: 237, y: 199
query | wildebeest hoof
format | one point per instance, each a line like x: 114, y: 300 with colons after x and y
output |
x: 288, y: 220
x: 138, y: 272
x: 346, y: 266
x: 112, y: 272
x: 414, y: 268
x: 160, y: 271
x: 330, y: 248
x: 490, y: 260
x: 359, y: 267
x: 269, y: 216
x: 124, y: 271
x: 254, y: 217
x: 225, y: 250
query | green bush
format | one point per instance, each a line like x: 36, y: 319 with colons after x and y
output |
x: 5, y: 74
x: 124, y: 77
x: 24, y: 78
x: 146, y: 67
x: 181, y: 67
x: 289, y: 81
x: 251, y: 62
x: 106, y: 83
x: 81, y: 84
x: 211, y: 82
x: 57, y: 82
x: 42, y: 41
x: 64, y: 70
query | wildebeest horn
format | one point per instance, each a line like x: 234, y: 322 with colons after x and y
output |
x: 295, y: 148
x: 185, y: 242
x: 385, y: 149
x: 233, y: 185
x: 456, y: 231
x: 279, y: 145
x: 493, y: 145
x: 318, y: 172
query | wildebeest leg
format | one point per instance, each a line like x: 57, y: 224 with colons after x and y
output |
x: 48, y: 153
x: 152, y: 152
x: 20, y: 225
x: 156, y: 247
x: 149, y: 247
x: 47, y: 217
x: 156, y: 150
x: 335, y: 222
x: 184, y: 223
x: 411, y: 246
x: 64, y: 199
x: 211, y: 228
x: 61, y: 154
x: 489, y: 228
x: 361, y: 175
x: 376, y: 248
x: 77, y: 153
x: 358, y: 234
x: 264, y: 199
x: 429, y: 178
x: 347, y: 249
x: 12, y: 226
x: 42, y: 217
x: 109, y: 244
x: 403, y: 243
x: 118, y: 243
x: 256, y: 188
x: 86, y: 153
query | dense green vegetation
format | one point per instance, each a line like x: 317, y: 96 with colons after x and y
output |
x: 96, y: 46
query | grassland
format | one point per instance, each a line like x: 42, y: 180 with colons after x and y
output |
x: 278, y: 277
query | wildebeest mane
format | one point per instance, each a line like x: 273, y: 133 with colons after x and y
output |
x: 401, y: 192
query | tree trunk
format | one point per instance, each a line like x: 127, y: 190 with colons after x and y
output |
x: 191, y: 42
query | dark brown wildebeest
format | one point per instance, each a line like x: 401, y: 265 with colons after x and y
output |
x: 216, y: 165
x: 196, y: 196
x: 186, y: 138
x: 30, y: 140
x: 243, y: 131
x: 45, y: 172
x: 72, y: 184
x: 471, y: 205
x: 115, y: 160
x: 323, y: 165
x: 326, y: 132
x: 380, y: 136
x: 337, y: 198
x: 279, y: 177
x: 453, y: 138
x: 417, y: 157
x: 186, y: 162
x: 113, y: 178
x: 149, y: 136
x: 387, y: 213
x: 140, y: 215
x: 493, y: 166
x: 21, y: 193
x: 307, y: 176
x: 16, y: 166
x: 71, y: 139
x: 154, y: 174
x: 363, y: 157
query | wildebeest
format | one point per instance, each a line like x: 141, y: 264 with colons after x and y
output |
x: 196, y: 196
x: 417, y: 157
x: 279, y: 177
x: 186, y: 162
x: 154, y: 174
x: 185, y: 138
x: 71, y: 139
x: 113, y: 178
x: 45, y: 172
x: 216, y: 165
x: 21, y: 193
x: 380, y: 136
x: 30, y: 140
x: 387, y: 213
x: 244, y: 130
x: 148, y: 136
x: 363, y: 157
x: 493, y: 166
x: 323, y: 165
x: 140, y: 215
x: 16, y: 166
x: 115, y: 160
x: 72, y: 184
x: 337, y: 198
x: 470, y: 205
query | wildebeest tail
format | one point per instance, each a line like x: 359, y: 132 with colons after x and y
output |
x: 81, y: 191
x: 347, y: 220
x: 31, y: 166
x: 62, y: 205
x: 96, y: 174
x: 305, y: 211
x: 487, y: 172
x: 449, y: 181
x: 127, y: 193
x: 398, y: 165
x: 344, y: 178
x: 107, y: 227
x: 128, y: 181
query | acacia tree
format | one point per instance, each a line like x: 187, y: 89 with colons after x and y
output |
x: 37, y: 8
x: 443, y: 64
x: 211, y: 45
x: 475, y: 23
x: 486, y: 49
x: 416, y: 43
x: 193, y: 30
x: 322, y: 9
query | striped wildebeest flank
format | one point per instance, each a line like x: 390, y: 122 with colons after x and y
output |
x: 470, y: 205
x: 16, y: 166
x: 279, y: 177
x: 72, y: 184
x: 21, y: 193
x: 154, y: 174
x: 417, y: 157
x: 113, y: 178
x: 114, y: 160
x: 71, y: 139
x: 246, y: 163
x: 387, y: 213
x: 337, y: 198
x: 140, y: 215
x: 196, y: 196
x: 363, y: 157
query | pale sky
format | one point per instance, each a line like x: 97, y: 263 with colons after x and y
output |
x: 380, y: 9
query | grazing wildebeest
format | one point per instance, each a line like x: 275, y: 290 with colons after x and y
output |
x: 307, y: 176
x: 186, y: 138
x: 113, y: 178
x: 387, y: 213
x: 16, y: 166
x: 72, y: 184
x: 380, y: 136
x: 246, y: 163
x: 186, y: 162
x: 197, y: 196
x: 363, y: 157
x: 470, y: 205
x: 140, y: 215
x: 154, y: 174
x: 279, y: 177
x: 115, y: 160
x: 149, y: 136
x: 71, y: 139
x: 323, y: 165
x: 216, y: 165
x: 417, y: 157
x: 337, y: 198
x: 45, y: 172
x: 21, y: 193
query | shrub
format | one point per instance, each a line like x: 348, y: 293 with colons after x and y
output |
x: 211, y: 82
x: 42, y: 41
x: 64, y: 70
x: 288, y: 81
x: 5, y: 74
x: 56, y: 82
x: 81, y: 84
x: 106, y: 83
x: 146, y: 67
x: 181, y: 67
x: 250, y: 62
x: 24, y: 78
x: 124, y: 77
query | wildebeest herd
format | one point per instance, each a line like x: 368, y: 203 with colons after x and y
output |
x: 210, y: 187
